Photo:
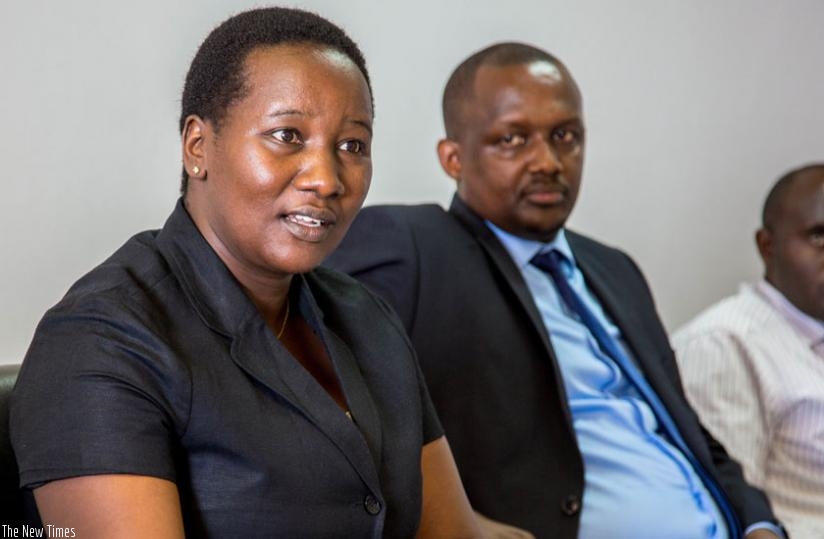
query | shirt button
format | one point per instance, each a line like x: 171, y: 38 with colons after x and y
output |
x: 571, y: 505
x: 372, y: 506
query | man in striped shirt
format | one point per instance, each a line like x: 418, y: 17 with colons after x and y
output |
x: 753, y: 364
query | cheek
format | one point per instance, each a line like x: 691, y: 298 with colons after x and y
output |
x: 500, y: 178
x: 356, y: 185
x: 362, y: 181
x: 806, y: 266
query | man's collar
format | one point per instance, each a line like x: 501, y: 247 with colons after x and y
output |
x: 522, y: 250
x: 809, y: 327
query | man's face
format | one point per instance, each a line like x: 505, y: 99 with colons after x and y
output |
x: 519, y: 154
x: 793, y: 250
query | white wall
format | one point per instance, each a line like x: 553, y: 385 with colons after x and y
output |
x: 693, y: 109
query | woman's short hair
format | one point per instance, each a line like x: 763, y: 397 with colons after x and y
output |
x: 216, y: 79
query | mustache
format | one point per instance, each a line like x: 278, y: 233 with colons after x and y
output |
x: 546, y: 183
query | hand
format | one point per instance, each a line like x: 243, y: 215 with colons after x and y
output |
x: 498, y: 530
x: 762, y: 534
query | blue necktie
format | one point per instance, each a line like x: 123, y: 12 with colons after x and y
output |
x: 551, y: 263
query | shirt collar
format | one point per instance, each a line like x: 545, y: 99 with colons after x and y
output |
x: 811, y: 329
x: 522, y: 250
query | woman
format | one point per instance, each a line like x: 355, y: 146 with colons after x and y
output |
x: 206, y: 379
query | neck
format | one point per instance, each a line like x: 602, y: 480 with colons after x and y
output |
x: 270, y: 299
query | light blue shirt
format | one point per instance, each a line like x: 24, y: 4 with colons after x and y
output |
x: 636, y: 483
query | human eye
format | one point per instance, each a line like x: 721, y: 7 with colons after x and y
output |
x: 354, y: 146
x: 287, y: 135
x: 565, y: 135
x: 512, y: 140
x: 816, y: 236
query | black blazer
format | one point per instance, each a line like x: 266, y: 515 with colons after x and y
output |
x: 490, y: 366
x: 157, y: 363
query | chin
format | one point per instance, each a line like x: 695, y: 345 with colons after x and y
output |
x: 544, y: 232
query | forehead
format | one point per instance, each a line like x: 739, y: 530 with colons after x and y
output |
x: 535, y: 88
x: 804, y: 201
x: 304, y: 73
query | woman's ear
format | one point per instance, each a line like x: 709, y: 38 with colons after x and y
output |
x: 194, y: 147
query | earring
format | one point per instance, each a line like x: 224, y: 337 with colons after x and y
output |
x: 195, y: 170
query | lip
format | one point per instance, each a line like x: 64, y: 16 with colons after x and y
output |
x: 309, y: 223
x: 546, y: 196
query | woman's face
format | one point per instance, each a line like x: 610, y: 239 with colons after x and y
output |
x: 289, y: 166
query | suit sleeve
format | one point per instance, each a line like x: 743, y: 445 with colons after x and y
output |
x: 379, y: 250
x: 95, y: 396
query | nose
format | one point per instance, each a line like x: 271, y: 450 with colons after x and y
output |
x: 320, y: 174
x: 544, y: 158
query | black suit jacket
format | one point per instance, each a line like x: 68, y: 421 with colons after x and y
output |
x: 157, y: 363
x: 490, y: 366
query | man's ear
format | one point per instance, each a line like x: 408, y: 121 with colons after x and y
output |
x: 195, y: 131
x: 764, y: 241
x: 449, y: 154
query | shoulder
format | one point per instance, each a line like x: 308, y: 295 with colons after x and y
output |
x: 583, y: 245
x: 131, y: 272
x: 102, y: 362
x: 401, y: 222
x: 611, y: 269
x: 396, y: 236
x: 132, y: 291
x: 409, y: 213
x: 738, y: 318
x: 116, y: 320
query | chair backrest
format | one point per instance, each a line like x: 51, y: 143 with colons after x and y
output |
x: 11, y: 498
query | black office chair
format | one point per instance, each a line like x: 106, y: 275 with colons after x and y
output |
x: 11, y: 498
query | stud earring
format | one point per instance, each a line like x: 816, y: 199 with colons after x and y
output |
x: 195, y: 169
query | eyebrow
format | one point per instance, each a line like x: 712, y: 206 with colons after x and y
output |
x: 287, y: 112
x: 296, y: 112
x: 365, y: 125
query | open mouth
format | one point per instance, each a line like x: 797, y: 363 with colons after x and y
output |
x: 310, y: 223
x: 305, y: 220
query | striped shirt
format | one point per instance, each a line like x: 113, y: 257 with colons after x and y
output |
x: 753, y: 368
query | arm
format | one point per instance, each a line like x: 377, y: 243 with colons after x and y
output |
x: 446, y: 512
x: 95, y: 397
x: 492, y: 529
x: 103, y: 506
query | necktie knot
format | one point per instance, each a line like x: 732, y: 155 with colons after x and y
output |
x: 550, y: 262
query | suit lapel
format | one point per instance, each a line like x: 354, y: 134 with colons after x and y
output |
x: 360, y: 402
x: 503, y: 263
x: 261, y: 356
x: 224, y: 307
x: 612, y: 290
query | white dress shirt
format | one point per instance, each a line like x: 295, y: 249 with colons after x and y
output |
x: 753, y: 368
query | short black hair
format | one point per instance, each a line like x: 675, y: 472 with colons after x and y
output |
x: 775, y: 198
x: 216, y: 79
x: 459, y: 86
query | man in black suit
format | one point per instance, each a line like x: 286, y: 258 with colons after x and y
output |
x: 542, y: 349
